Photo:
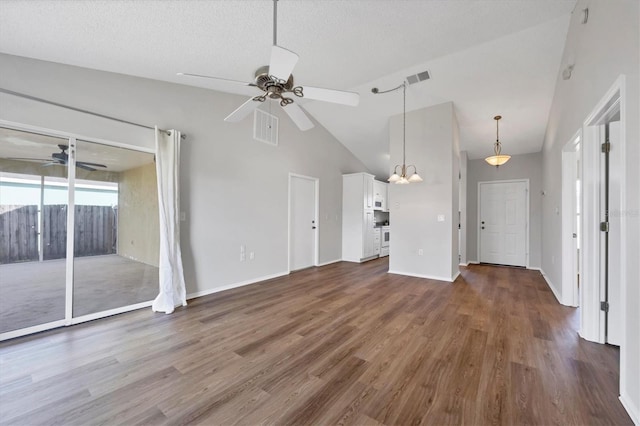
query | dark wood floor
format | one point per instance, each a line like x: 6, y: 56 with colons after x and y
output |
x: 341, y: 344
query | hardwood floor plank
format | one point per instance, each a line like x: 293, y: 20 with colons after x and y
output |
x: 342, y: 344
x: 312, y: 408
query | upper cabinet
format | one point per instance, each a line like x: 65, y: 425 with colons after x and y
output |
x: 359, y: 186
x: 368, y: 188
x: 380, y: 197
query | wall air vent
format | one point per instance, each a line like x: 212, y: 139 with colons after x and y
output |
x: 417, y: 78
x: 265, y: 127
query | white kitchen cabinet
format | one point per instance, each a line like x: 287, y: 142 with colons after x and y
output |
x: 380, y: 196
x: 358, y: 220
x: 376, y: 241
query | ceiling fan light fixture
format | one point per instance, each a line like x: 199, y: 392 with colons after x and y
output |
x: 275, y: 80
x: 497, y: 159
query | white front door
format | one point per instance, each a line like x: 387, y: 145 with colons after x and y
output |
x: 303, y: 223
x: 503, y: 222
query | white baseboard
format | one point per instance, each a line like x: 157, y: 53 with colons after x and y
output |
x: 472, y: 262
x: 457, y: 274
x: 330, y: 262
x: 551, y: 286
x: 632, y: 410
x: 429, y: 277
x: 235, y: 285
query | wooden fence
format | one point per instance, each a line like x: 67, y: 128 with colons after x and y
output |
x: 95, y: 232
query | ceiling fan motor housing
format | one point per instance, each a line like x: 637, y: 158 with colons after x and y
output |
x: 267, y: 83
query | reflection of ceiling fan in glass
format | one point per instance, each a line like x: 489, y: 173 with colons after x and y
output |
x: 276, y: 82
x: 62, y: 158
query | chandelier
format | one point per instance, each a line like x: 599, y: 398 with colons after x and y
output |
x: 402, y: 178
x: 497, y: 159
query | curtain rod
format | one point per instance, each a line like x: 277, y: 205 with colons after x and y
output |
x: 33, y: 98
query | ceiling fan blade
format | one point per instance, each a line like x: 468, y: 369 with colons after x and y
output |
x: 223, y: 84
x: 331, y: 95
x: 282, y: 62
x: 40, y: 160
x: 82, y: 166
x: 243, y: 110
x: 221, y: 80
x: 85, y: 163
x: 298, y: 116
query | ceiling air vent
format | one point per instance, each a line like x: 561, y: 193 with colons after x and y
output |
x: 265, y: 127
x: 417, y: 78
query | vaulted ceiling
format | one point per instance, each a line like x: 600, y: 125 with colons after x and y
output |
x: 488, y: 57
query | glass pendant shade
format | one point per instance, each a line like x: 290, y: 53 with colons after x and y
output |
x: 415, y: 178
x: 497, y: 160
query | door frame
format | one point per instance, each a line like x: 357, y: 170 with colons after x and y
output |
x: 316, y: 212
x: 526, y: 208
x: 69, y: 319
x: 570, y: 156
x: 592, y: 320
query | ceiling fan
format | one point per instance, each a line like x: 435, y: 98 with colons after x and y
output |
x: 276, y: 82
x: 62, y: 158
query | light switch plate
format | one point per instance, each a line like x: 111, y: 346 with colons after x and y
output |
x: 440, y: 218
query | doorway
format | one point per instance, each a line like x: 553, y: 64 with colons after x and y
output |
x: 503, y: 222
x: 303, y: 222
x: 603, y: 255
x: 571, y: 221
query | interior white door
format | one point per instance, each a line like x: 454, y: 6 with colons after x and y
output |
x: 503, y: 223
x: 303, y: 222
x: 614, y: 320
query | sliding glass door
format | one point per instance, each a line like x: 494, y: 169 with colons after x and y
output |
x: 68, y: 256
x: 116, y: 228
x: 33, y: 237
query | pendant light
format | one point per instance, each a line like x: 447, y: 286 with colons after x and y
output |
x: 402, y: 179
x: 497, y: 159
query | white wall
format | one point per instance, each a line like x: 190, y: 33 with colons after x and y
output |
x: 525, y: 166
x: 234, y: 189
x: 604, y: 48
x: 415, y: 207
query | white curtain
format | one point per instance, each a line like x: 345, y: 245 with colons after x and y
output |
x: 172, y: 287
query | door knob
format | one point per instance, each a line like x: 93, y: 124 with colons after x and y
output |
x: 483, y: 222
x: 483, y: 227
x: 313, y: 227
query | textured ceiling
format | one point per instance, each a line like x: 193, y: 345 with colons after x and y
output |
x: 488, y: 57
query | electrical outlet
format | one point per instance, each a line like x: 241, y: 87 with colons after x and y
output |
x: 420, y: 252
x: 440, y: 218
x: 243, y: 254
x: 251, y: 256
